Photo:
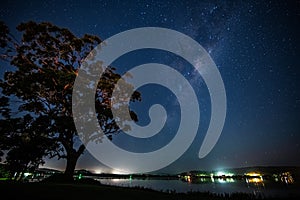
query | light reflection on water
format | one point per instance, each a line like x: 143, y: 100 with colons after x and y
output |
x: 254, y: 186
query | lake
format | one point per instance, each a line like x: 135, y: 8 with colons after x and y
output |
x: 257, y: 187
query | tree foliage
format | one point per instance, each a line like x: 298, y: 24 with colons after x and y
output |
x: 44, y: 65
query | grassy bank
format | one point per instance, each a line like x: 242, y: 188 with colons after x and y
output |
x: 82, y: 191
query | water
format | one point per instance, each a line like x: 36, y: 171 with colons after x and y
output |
x: 258, y: 188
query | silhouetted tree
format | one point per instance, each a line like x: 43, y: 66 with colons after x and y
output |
x: 27, y: 144
x: 44, y: 65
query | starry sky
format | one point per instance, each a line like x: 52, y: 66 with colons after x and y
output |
x: 255, y: 45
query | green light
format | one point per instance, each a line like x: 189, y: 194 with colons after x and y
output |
x: 79, y: 176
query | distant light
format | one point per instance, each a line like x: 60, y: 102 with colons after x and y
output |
x: 220, y: 173
x: 253, y: 174
x: 79, y: 176
x: 119, y: 172
x: 26, y: 174
x: 189, y: 179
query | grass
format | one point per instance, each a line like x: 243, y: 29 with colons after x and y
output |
x: 74, y: 191
x: 83, y: 190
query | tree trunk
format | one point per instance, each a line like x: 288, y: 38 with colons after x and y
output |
x: 72, y: 158
x: 71, y: 164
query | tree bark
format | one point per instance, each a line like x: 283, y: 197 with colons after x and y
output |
x: 72, y: 158
x: 70, y: 168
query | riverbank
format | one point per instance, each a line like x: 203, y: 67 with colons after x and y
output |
x: 83, y: 190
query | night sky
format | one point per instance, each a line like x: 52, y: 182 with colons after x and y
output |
x: 255, y: 45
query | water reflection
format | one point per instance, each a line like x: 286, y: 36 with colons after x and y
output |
x: 287, y: 178
x: 259, y: 187
x: 251, y: 178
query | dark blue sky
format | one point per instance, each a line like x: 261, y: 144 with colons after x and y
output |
x: 255, y: 45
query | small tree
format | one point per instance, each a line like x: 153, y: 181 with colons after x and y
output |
x: 44, y: 67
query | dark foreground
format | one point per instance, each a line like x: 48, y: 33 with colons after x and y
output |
x: 86, y: 190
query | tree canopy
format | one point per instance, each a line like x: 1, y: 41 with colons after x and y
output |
x: 38, y: 86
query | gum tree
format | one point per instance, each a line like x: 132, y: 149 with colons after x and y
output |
x: 43, y: 67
